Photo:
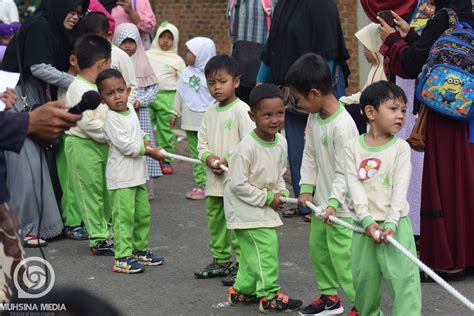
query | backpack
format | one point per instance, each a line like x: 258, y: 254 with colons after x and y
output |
x: 423, y: 12
x: 446, y: 83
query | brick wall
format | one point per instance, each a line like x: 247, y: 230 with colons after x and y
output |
x: 208, y: 18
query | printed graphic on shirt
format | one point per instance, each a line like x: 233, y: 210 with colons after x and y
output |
x: 368, y: 168
x: 228, y: 124
x: 282, y: 158
x: 194, y: 83
x: 324, y: 140
x: 386, y: 179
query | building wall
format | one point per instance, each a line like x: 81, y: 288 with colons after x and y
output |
x: 208, y: 18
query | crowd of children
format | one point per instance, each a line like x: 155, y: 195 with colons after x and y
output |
x: 109, y: 160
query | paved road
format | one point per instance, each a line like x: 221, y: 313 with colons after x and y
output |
x: 179, y: 232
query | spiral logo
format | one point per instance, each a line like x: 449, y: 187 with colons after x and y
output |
x: 33, y: 277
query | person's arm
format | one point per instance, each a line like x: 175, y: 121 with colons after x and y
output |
x: 281, y: 181
x: 147, y: 21
x: 203, y: 142
x: 51, y: 75
x: 400, y: 183
x: 177, y: 106
x: 309, y: 164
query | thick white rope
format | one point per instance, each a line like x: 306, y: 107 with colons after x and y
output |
x: 358, y: 229
x: 399, y: 247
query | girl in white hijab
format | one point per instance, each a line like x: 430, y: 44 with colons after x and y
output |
x: 127, y: 38
x: 167, y: 66
x: 192, y: 100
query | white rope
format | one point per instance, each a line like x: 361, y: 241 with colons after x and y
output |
x: 358, y: 229
x: 398, y: 246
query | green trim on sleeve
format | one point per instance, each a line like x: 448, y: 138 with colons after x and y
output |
x: 146, y: 137
x: 306, y: 188
x: 270, y: 197
x: 285, y: 193
x: 391, y: 226
x: 377, y: 149
x: 367, y: 221
x: 334, y: 203
x: 330, y: 118
x: 142, y: 150
x: 220, y: 108
x: 205, y: 155
x: 227, y: 158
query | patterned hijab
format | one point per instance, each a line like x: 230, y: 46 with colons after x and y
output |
x: 145, y: 75
x: 192, y: 85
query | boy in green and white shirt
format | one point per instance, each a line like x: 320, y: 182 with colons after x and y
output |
x: 378, y: 170
x: 254, y: 185
x: 330, y: 127
x: 223, y: 126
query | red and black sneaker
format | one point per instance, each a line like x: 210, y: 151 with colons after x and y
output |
x: 353, y: 312
x: 279, y: 303
x: 236, y: 298
x: 325, y: 305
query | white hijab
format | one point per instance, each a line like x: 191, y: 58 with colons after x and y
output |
x: 169, y: 57
x: 369, y: 37
x: 192, y: 85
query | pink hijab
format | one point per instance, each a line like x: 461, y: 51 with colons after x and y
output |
x: 143, y: 70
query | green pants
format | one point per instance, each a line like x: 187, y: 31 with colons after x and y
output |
x: 70, y: 212
x: 198, y: 169
x: 131, y: 218
x: 371, y: 262
x: 259, y: 266
x: 160, y: 115
x: 86, y: 161
x: 330, y: 247
x: 221, y: 239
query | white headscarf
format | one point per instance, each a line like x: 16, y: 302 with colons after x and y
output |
x: 369, y: 37
x: 145, y: 75
x: 192, y: 86
x: 169, y: 57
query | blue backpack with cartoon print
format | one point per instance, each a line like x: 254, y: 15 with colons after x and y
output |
x: 446, y: 83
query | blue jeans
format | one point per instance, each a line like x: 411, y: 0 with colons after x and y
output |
x: 295, y: 125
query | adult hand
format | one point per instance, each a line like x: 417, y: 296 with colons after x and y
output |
x: 371, y: 231
x: 8, y: 97
x: 277, y: 204
x: 384, y: 29
x: 401, y: 26
x: 305, y: 197
x: 50, y: 120
x: 330, y: 211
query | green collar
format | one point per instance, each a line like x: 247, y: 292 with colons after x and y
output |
x: 264, y: 143
x: 330, y: 118
x: 364, y: 145
x: 228, y: 106
x: 126, y: 113
x: 78, y: 77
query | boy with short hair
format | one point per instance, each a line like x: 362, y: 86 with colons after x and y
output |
x: 330, y: 127
x: 85, y: 147
x: 254, y: 185
x: 223, y: 126
x: 126, y: 176
x: 378, y: 172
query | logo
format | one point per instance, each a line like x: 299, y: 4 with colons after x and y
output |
x: 194, y: 83
x: 228, y: 124
x: 36, y: 279
x: 368, y: 168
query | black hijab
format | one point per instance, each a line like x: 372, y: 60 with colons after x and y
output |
x: 43, y: 38
x: 109, y: 5
x: 300, y: 27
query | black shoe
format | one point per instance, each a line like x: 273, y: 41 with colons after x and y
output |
x: 104, y: 248
x: 214, y: 270
x: 325, y: 305
x: 236, y: 298
x: 448, y: 277
x: 230, y: 279
x: 279, y: 303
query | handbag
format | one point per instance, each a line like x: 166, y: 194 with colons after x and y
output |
x: 417, y: 137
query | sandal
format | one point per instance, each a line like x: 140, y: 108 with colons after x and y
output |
x: 291, y: 212
x: 76, y: 233
x: 307, y: 218
x: 32, y: 241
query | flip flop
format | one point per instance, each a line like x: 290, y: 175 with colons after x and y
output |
x: 32, y: 241
x: 291, y: 212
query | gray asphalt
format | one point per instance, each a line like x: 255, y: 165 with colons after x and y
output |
x: 179, y: 232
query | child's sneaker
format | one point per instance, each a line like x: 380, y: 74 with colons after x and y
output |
x: 104, y: 248
x: 76, y: 233
x: 230, y: 279
x: 196, y: 194
x: 325, y: 305
x: 236, y: 298
x: 147, y: 258
x: 279, y: 303
x: 127, y: 265
x: 353, y: 312
x: 214, y: 270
